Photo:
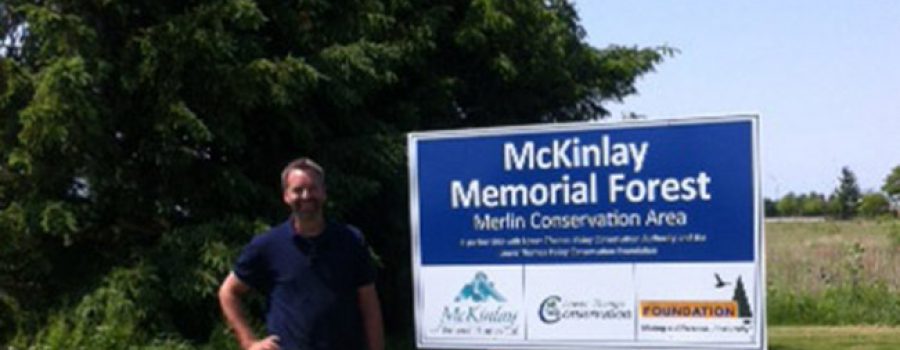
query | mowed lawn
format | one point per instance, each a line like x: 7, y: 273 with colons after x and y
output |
x: 798, y: 338
x: 834, y: 338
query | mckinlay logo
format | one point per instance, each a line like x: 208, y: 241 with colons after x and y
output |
x: 479, y: 290
x: 478, y: 309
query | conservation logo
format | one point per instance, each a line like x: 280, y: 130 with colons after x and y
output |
x: 554, y: 309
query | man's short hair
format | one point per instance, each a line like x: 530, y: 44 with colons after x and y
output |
x: 302, y: 163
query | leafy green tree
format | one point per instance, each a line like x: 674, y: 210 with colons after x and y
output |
x: 771, y: 208
x: 833, y: 207
x: 847, y: 195
x: 789, y: 205
x: 892, y: 187
x: 874, y: 204
x: 812, y: 204
x: 141, y: 141
x: 807, y: 204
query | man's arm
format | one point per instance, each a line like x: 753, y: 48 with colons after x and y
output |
x: 371, y: 316
x: 230, y: 300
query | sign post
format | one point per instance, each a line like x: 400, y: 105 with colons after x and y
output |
x: 589, y: 235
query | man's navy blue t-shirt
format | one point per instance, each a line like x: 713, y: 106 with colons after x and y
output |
x: 310, y: 285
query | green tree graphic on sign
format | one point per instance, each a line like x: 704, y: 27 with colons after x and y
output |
x: 740, y: 297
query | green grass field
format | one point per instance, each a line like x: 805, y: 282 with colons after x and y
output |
x: 833, y: 272
x: 810, y: 257
x: 834, y: 338
x: 843, y: 273
x: 798, y: 338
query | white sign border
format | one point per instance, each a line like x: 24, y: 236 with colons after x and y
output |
x: 759, y: 232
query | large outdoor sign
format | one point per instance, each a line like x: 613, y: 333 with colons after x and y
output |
x: 588, y: 235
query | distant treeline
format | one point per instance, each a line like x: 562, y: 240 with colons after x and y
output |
x: 846, y: 201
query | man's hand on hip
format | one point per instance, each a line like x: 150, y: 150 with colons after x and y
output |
x: 269, y: 343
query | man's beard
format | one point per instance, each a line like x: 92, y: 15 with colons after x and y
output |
x: 306, y: 215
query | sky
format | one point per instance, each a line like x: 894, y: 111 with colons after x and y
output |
x: 823, y: 76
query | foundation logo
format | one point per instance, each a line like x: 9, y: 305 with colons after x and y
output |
x: 479, y: 309
x: 554, y: 309
x: 737, y: 307
x: 689, y: 309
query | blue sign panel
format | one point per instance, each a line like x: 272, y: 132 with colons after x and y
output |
x: 654, y: 192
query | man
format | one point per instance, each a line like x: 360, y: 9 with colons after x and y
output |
x: 317, y: 277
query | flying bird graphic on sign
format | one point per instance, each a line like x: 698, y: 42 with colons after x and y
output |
x: 720, y: 283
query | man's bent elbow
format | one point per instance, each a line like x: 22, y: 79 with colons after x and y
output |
x: 231, y: 288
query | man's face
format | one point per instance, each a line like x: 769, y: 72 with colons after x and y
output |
x: 304, y: 193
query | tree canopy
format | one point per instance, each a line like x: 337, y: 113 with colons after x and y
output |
x: 892, y: 185
x: 142, y: 140
x: 874, y: 204
x: 847, y: 195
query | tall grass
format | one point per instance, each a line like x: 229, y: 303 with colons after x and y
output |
x: 834, y: 272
